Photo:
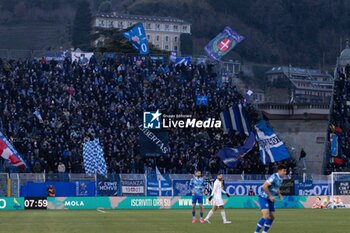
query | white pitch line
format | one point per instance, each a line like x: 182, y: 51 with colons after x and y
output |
x: 100, y: 210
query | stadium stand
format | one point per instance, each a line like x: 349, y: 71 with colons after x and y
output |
x: 106, y: 99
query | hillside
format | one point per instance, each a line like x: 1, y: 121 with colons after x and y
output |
x: 305, y: 33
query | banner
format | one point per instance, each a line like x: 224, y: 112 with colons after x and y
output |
x: 56, y: 56
x: 179, y: 60
x: 82, y: 188
x: 180, y: 202
x: 181, y: 188
x: 310, y: 188
x: 81, y: 57
x: 153, y: 143
x: 107, y: 188
x: 159, y: 188
x: 133, y: 187
x: 7, y: 203
x: 223, y: 43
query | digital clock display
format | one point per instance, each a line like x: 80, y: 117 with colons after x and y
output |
x: 35, y: 203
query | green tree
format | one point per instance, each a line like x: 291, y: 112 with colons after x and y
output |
x: 81, y: 34
x: 186, y: 44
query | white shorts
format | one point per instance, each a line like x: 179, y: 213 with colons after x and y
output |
x: 218, y: 202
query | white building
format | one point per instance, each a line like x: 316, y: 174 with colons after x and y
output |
x: 162, y: 32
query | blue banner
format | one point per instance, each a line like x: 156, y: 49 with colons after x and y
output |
x: 223, y: 43
x: 107, y: 188
x: 153, y: 143
x: 202, y: 100
x: 159, y: 188
x: 137, y: 36
x: 179, y: 60
x: 272, y: 149
x: 182, y: 188
x: 310, y: 188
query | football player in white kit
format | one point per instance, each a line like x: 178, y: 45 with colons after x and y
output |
x: 216, y: 195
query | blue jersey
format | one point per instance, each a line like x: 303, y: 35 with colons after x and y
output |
x: 197, y: 185
x: 275, y: 184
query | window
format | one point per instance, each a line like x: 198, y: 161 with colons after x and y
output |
x: 111, y: 23
x: 175, y: 48
x: 175, y: 27
x: 184, y: 28
x: 167, y: 38
x: 157, y: 38
x: 157, y: 46
x: 175, y: 38
x: 166, y: 47
x: 148, y: 37
x: 120, y: 24
x: 166, y: 26
x: 148, y: 26
x: 158, y: 26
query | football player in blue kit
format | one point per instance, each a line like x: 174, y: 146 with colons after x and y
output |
x: 271, y: 188
x: 197, y: 185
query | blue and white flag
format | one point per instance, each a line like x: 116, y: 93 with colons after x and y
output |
x: 272, y: 149
x: 244, y: 118
x: 334, y: 144
x: 239, y: 119
x: 226, y: 121
x: 94, y: 161
x: 38, y: 115
x: 159, y: 175
x: 137, y: 36
x: 230, y: 156
x: 159, y: 188
x: 202, y: 100
x: 179, y: 60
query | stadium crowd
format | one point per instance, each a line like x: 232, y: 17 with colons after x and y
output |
x: 106, y: 99
x: 339, y: 160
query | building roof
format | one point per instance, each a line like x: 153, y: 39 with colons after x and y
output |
x: 300, y: 73
x: 161, y: 19
x: 345, y: 54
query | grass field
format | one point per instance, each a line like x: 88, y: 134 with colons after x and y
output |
x: 170, y: 221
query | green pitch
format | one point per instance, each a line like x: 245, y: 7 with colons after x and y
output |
x: 170, y: 221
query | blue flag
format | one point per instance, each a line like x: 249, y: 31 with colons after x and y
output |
x: 223, y: 43
x: 226, y: 121
x: 230, y: 156
x: 94, y: 161
x: 179, y: 60
x: 239, y: 119
x: 202, y: 100
x: 272, y: 149
x: 137, y: 36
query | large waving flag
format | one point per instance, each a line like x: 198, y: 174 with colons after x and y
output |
x: 272, y: 149
x: 8, y: 152
x: 223, y: 43
x: 230, y: 156
x: 137, y: 36
x: 94, y: 161
x: 236, y: 119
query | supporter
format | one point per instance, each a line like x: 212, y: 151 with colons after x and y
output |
x: 106, y: 99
